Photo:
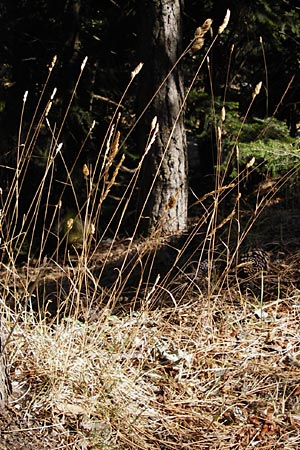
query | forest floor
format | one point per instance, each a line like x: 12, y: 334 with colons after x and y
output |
x: 194, y: 366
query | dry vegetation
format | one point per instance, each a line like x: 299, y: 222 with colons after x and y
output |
x: 154, y: 343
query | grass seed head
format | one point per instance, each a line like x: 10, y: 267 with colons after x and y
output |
x: 115, y: 145
x: 137, y: 70
x: 199, y: 35
x: 223, y: 114
x: 92, y: 229
x: 70, y: 223
x: 153, y: 123
x: 257, y: 89
x: 250, y: 163
x: 53, y: 62
x: 225, y: 22
x: 83, y: 63
x: 85, y: 170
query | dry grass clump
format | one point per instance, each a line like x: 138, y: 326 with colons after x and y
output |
x: 221, y: 373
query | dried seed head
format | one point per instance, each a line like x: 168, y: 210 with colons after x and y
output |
x: 224, y: 221
x: 223, y: 114
x: 53, y: 93
x: 83, y: 63
x: 201, y: 31
x: 205, y: 27
x: 153, y: 123
x: 137, y: 70
x: 53, y: 62
x: 92, y: 228
x: 48, y: 108
x: 257, y: 89
x: 85, y: 170
x: 250, y: 163
x: 70, y: 223
x: 111, y: 153
x: 115, y: 145
x: 111, y: 182
x: 198, y: 44
x: 50, y: 102
x: 225, y: 22
x: 199, y: 35
x: 153, y: 137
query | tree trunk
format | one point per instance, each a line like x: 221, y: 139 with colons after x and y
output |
x: 5, y: 385
x: 164, y: 175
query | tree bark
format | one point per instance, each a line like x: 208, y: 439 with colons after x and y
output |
x: 163, y: 184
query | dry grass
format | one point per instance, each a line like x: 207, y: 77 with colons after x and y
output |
x: 211, y: 373
x: 143, y: 349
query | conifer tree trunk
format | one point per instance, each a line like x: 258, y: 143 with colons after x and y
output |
x: 166, y: 163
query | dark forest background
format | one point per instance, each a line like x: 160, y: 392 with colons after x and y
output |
x: 261, y: 43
